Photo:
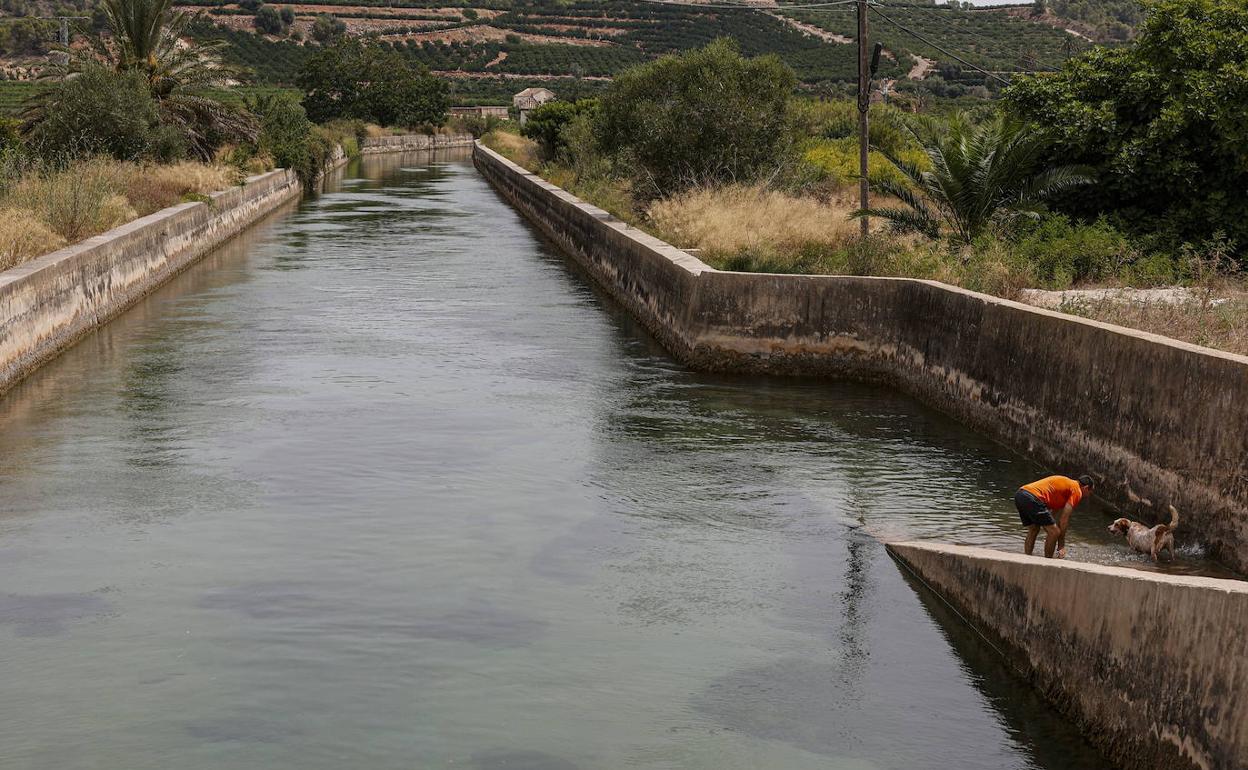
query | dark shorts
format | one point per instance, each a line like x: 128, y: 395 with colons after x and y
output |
x: 1031, y: 510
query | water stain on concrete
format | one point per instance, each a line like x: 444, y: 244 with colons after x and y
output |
x: 498, y: 759
x: 48, y: 614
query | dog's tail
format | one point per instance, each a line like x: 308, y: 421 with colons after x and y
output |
x: 1174, y: 520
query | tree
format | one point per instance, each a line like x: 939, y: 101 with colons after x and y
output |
x: 979, y: 175
x: 147, y: 41
x: 703, y: 117
x: 545, y: 125
x: 288, y: 15
x: 147, y: 37
x: 366, y: 81
x: 1162, y: 122
x: 269, y: 21
x: 328, y: 28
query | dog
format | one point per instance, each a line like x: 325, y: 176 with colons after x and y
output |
x: 1151, y: 541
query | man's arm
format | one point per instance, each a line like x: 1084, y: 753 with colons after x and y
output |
x: 1063, y: 522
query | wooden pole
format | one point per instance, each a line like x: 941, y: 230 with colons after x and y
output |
x: 864, y: 104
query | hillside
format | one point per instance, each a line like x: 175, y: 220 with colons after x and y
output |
x: 575, y: 47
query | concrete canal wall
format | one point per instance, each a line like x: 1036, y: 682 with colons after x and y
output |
x: 413, y: 142
x: 1153, y: 668
x: 48, y: 303
x: 1159, y: 421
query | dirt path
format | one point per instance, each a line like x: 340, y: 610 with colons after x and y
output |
x: 812, y: 30
x: 921, y: 67
x: 502, y: 57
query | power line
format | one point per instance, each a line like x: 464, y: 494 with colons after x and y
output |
x: 943, y: 50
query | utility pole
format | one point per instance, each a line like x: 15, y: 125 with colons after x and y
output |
x: 864, y: 103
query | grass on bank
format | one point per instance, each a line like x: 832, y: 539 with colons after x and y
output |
x: 42, y: 210
x: 759, y: 228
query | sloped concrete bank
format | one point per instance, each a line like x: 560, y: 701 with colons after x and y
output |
x: 1159, y: 421
x: 1151, y: 667
x: 48, y: 303
x: 413, y: 142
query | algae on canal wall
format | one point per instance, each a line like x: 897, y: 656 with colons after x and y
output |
x: 1158, y: 421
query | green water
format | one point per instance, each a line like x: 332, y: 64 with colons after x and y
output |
x: 387, y: 484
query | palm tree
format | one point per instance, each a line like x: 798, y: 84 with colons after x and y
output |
x: 147, y: 36
x: 979, y: 174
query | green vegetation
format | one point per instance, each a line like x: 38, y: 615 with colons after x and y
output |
x: 969, y: 199
x: 1112, y: 19
x: 975, y: 177
x: 547, y: 125
x: 707, y: 117
x: 1161, y: 121
x: 358, y: 81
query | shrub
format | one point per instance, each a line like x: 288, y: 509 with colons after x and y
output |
x: 328, y: 28
x: 1063, y: 253
x: 545, y: 125
x: 269, y: 21
x: 98, y: 112
x: 709, y: 116
x: 286, y: 135
x: 288, y: 15
x: 76, y: 202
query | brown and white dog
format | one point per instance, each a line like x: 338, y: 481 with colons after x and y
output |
x: 1149, y: 540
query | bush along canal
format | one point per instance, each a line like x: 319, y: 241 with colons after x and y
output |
x: 387, y: 482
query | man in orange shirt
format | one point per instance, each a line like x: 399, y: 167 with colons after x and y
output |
x: 1038, y: 503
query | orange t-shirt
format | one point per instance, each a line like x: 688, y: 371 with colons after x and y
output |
x: 1056, y: 491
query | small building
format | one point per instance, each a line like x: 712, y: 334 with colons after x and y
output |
x: 482, y: 111
x: 530, y: 99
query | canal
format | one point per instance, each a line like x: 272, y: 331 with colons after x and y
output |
x: 385, y: 483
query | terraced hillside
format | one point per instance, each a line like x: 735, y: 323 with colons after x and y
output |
x: 583, y: 40
x: 489, y: 48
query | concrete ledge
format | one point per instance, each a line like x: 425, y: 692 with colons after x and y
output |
x: 412, y: 142
x: 1153, y: 668
x: 48, y: 303
x: 1159, y: 420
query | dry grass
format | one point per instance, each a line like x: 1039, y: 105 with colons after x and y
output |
x: 515, y: 148
x: 1223, y: 326
x: 23, y: 237
x: 45, y: 210
x: 738, y: 218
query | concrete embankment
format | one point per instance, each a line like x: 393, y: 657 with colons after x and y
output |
x: 1150, y: 666
x: 48, y: 303
x: 1161, y: 422
x: 413, y: 142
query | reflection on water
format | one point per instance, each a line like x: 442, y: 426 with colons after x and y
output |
x: 387, y: 484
